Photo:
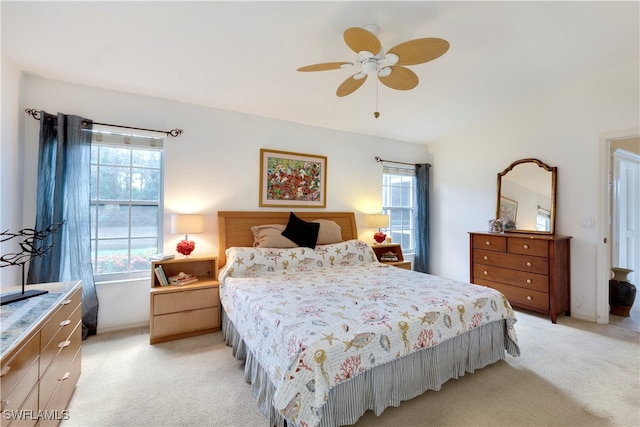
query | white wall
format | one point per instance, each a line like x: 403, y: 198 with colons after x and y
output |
x: 213, y: 166
x: 10, y: 160
x: 563, y: 129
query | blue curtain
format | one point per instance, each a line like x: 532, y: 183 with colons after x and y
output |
x: 64, y: 176
x: 421, y: 260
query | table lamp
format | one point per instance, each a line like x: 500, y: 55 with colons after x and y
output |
x: 379, y: 221
x: 186, y: 224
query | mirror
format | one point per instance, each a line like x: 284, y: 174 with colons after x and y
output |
x: 527, y: 197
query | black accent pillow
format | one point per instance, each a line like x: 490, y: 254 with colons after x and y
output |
x: 301, y: 232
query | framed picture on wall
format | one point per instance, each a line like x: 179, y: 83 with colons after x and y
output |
x: 292, y: 179
x: 508, y: 210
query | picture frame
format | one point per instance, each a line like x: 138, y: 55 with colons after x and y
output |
x: 289, y: 179
x: 508, y: 210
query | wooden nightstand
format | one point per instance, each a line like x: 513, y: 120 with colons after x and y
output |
x: 187, y: 310
x: 395, y: 249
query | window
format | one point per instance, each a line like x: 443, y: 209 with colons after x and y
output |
x: 398, y: 201
x: 543, y: 219
x: 126, y: 204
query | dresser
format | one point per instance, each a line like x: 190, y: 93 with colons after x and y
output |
x: 41, y: 341
x: 531, y: 270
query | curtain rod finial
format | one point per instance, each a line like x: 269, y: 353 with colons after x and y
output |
x: 378, y: 159
x: 32, y: 112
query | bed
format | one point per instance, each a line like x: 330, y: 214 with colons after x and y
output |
x: 328, y: 333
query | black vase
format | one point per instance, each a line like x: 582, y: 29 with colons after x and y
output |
x: 622, y: 294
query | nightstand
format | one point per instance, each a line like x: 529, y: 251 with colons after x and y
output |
x: 391, y: 248
x: 187, y: 310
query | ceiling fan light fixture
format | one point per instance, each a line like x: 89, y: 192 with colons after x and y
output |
x: 370, y: 67
x: 359, y: 76
x: 372, y: 28
x: 384, y: 72
x: 392, y: 58
x: 363, y: 55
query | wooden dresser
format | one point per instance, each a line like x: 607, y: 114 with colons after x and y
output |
x: 531, y: 270
x: 41, y: 341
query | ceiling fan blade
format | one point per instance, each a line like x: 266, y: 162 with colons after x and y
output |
x: 359, y: 39
x: 419, y: 51
x: 350, y: 85
x: 401, y: 78
x: 324, y: 66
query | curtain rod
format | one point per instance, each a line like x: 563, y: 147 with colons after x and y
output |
x: 173, y: 132
x: 379, y: 160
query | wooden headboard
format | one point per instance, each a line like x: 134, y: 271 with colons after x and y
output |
x: 234, y: 227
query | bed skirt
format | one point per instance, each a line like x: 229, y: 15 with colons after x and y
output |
x: 388, y: 384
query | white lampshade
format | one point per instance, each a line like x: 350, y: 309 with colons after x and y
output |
x: 187, y: 224
x: 379, y: 221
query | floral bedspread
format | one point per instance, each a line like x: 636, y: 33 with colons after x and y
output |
x: 316, y: 318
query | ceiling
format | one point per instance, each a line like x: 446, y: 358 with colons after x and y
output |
x: 242, y: 56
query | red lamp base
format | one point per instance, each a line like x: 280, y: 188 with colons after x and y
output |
x: 379, y: 237
x: 185, y: 247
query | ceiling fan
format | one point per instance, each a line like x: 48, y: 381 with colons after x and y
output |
x: 389, y: 66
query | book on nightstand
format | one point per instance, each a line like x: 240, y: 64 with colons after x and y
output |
x: 182, y: 279
x: 389, y: 256
x: 161, y: 257
x: 162, y: 278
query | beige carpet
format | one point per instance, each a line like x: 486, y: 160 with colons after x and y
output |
x: 573, y: 373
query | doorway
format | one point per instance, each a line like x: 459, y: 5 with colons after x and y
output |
x: 623, y: 217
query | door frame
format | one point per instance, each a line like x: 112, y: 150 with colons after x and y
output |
x: 603, y: 264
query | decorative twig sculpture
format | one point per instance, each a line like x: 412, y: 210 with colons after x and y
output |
x: 33, y: 246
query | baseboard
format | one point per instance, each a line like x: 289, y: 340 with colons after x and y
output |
x: 121, y: 328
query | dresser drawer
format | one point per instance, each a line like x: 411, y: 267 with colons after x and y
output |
x: 522, y: 279
x: 67, y: 349
x: 19, y: 365
x: 187, y: 321
x: 528, y: 247
x: 521, y: 297
x: 173, y: 302
x: 60, y: 318
x: 27, y: 414
x: 528, y: 263
x: 62, y: 394
x: 65, y: 328
x: 490, y: 243
x: 13, y: 399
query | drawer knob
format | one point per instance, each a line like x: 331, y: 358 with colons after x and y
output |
x: 529, y: 281
x: 66, y: 302
x: 488, y: 243
x: 64, y: 344
x: 529, y: 298
x: 486, y: 258
x: 65, y: 322
x: 65, y: 376
x: 528, y: 264
x: 485, y: 272
x: 5, y: 370
x: 526, y: 246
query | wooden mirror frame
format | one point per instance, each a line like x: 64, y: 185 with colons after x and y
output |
x: 550, y: 169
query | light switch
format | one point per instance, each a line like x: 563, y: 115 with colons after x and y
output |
x: 588, y: 222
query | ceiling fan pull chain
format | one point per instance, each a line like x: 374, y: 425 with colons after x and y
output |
x: 376, y: 114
